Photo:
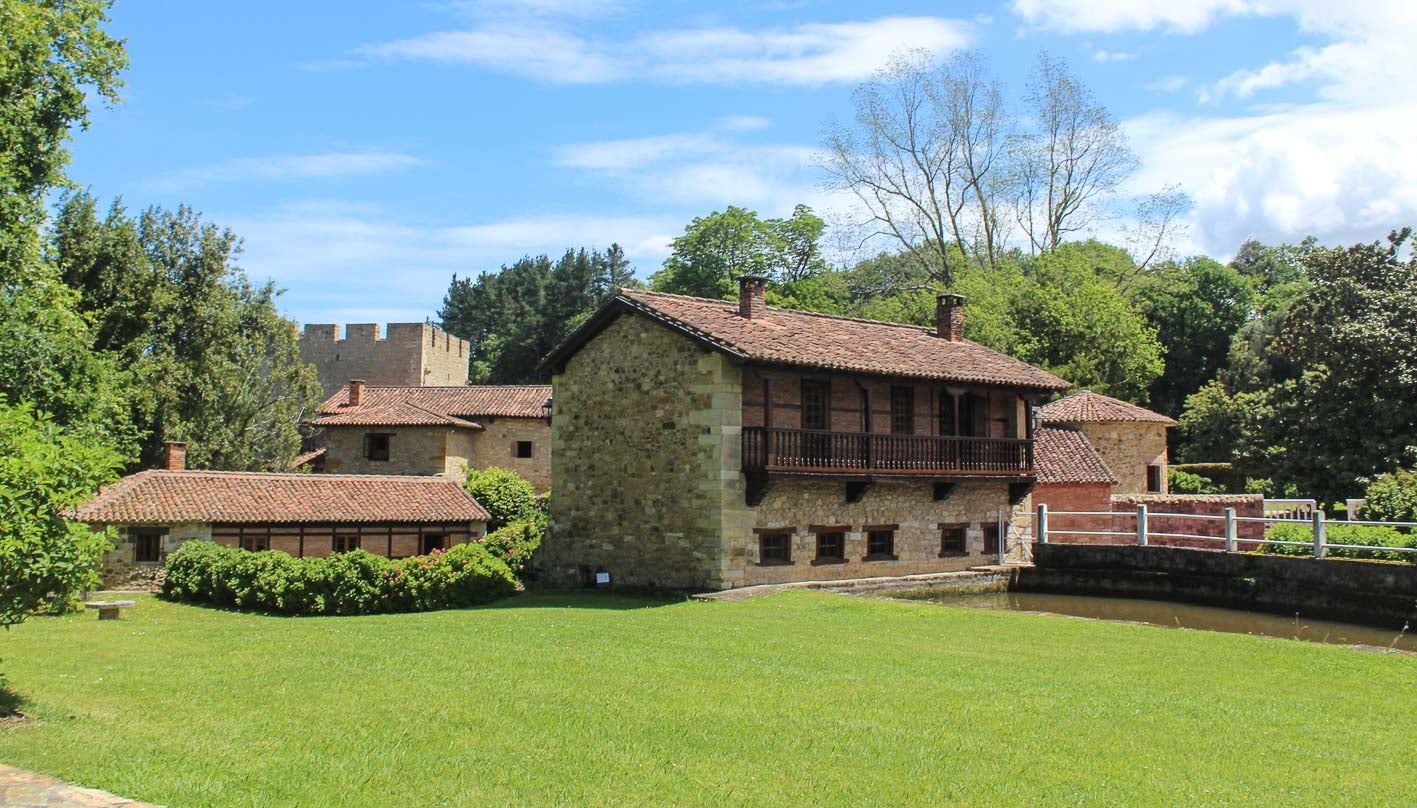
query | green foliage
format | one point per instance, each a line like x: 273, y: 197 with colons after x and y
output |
x: 506, y: 495
x: 356, y: 582
x: 211, y: 359
x: 56, y: 54
x: 1392, y: 497
x: 1184, y: 482
x: 1225, y: 475
x: 44, y: 472
x: 514, y: 317
x: 718, y: 248
x: 516, y: 542
x: 1210, y: 425
x: 1338, y: 533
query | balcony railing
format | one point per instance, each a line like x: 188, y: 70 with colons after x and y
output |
x: 814, y: 451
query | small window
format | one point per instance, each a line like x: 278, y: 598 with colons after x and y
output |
x: 344, y: 544
x: 947, y: 414
x: 431, y: 542
x: 147, y: 544
x: 814, y: 404
x: 523, y: 448
x: 775, y: 548
x: 903, y: 410
x: 991, y: 539
x: 831, y: 547
x: 880, y: 545
x: 952, y: 540
x: 376, y: 447
x: 1153, y: 479
x: 254, y: 542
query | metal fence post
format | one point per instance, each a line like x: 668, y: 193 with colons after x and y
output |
x: 1229, y: 530
x: 1141, y: 525
x: 1042, y: 523
x: 1003, y: 539
x: 1320, y: 534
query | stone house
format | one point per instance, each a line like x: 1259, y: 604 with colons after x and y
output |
x: 405, y: 354
x: 1072, y: 476
x: 155, y: 511
x: 1131, y: 440
x: 364, y: 429
x: 702, y: 443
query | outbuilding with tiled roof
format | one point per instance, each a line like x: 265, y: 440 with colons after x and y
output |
x: 1129, y: 438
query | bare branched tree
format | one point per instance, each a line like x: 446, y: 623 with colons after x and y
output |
x: 1075, y: 155
x: 923, y: 155
x: 1157, y: 222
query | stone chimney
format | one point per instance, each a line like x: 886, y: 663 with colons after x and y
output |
x: 751, y: 300
x: 175, y: 456
x: 949, y: 317
x: 356, y: 392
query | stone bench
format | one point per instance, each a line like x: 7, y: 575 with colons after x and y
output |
x: 109, y: 609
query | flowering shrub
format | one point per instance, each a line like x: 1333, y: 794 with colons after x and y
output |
x: 356, y: 582
x: 515, y: 543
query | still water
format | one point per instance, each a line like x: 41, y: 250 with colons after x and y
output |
x: 1177, y: 615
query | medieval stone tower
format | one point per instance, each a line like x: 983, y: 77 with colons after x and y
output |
x: 407, y: 355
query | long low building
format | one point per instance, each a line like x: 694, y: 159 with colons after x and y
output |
x: 300, y: 514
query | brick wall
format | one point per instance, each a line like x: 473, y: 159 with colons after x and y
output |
x: 409, y: 354
x: 1245, y: 505
x: 1086, y: 497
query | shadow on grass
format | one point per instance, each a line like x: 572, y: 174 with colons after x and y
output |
x: 586, y: 599
x: 10, y: 701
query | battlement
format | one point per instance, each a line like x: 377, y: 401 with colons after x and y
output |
x: 399, y: 354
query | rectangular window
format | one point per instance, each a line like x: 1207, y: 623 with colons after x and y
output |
x: 991, y: 539
x: 147, y: 544
x: 903, y: 410
x: 255, y: 542
x: 947, y: 414
x: 431, y: 542
x: 952, y: 540
x: 344, y: 544
x: 880, y: 545
x: 775, y: 548
x: 831, y: 547
x: 523, y: 448
x: 814, y: 404
x: 1153, y: 479
x: 376, y: 447
x: 968, y: 405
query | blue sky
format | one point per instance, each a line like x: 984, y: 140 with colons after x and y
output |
x: 367, y: 151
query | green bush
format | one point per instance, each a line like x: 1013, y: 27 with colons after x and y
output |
x: 1368, y: 535
x: 1182, y: 482
x: 505, y: 495
x: 356, y: 582
x: 1222, y: 476
x: 1393, y: 497
x: 515, y: 543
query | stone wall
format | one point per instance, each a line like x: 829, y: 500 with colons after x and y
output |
x: 496, y: 445
x: 120, y: 562
x: 1128, y: 448
x: 410, y: 354
x: 1368, y: 592
x: 413, y: 450
x: 645, y: 431
x: 909, y: 506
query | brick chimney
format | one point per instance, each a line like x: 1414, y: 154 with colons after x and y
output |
x: 949, y: 317
x: 356, y: 392
x: 751, y: 300
x: 175, y: 456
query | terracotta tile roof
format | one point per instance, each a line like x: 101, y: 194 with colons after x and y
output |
x: 434, y: 406
x: 176, y: 497
x: 1089, y: 406
x: 307, y: 457
x: 1063, y: 455
x: 806, y: 339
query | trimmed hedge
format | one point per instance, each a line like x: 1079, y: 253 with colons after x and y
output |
x: 1337, y: 533
x: 506, y: 495
x: 356, y: 582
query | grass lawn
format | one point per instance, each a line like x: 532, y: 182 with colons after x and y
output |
x: 792, y: 699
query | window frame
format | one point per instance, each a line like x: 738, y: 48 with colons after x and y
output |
x: 369, y: 443
x: 902, y: 409
x: 871, y: 534
x: 775, y: 535
x: 142, y: 535
x: 816, y: 409
x: 254, y: 542
x: 991, y: 536
x: 517, y: 447
x: 945, y: 529
x: 1154, y: 476
x: 344, y: 542
x: 821, y: 531
x: 425, y: 539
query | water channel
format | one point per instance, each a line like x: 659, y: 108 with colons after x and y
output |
x: 1176, y: 615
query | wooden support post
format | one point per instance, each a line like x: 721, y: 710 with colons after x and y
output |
x: 300, y: 544
x: 1141, y: 525
x: 1042, y: 523
x: 1003, y: 537
x: 1229, y: 530
x: 1320, y: 534
x: 390, y: 553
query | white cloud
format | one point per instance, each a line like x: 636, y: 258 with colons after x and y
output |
x: 1103, y: 56
x: 1073, y: 16
x: 743, y: 123
x: 1167, y: 84
x: 806, y: 54
x: 280, y: 168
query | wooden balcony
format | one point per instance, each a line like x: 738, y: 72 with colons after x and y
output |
x: 806, y: 451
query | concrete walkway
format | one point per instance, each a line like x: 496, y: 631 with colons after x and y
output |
x: 987, y: 578
x: 22, y: 789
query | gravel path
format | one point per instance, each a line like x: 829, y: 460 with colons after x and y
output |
x: 22, y: 789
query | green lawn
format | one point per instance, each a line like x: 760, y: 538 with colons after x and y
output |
x: 792, y: 699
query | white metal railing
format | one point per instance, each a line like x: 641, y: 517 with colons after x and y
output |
x: 1142, y: 534
x: 1291, y: 509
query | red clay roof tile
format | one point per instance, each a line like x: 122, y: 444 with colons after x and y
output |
x: 1089, y: 406
x: 1064, y: 455
x: 434, y: 406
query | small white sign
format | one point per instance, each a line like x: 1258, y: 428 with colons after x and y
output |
x: 602, y: 578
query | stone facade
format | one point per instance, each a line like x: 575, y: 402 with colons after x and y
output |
x: 122, y: 560
x: 647, y: 464
x: 443, y: 451
x: 1129, y: 448
x: 409, y: 354
x: 496, y: 445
